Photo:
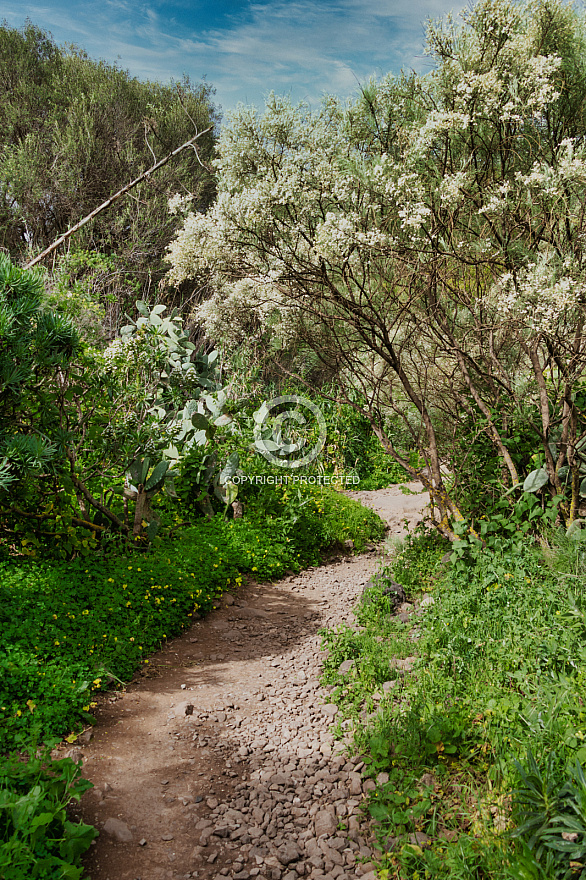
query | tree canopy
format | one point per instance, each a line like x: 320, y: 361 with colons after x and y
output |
x: 73, y: 131
x: 425, y: 239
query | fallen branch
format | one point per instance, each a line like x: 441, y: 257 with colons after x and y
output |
x: 114, y: 198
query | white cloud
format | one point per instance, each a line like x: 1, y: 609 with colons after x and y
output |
x: 293, y: 46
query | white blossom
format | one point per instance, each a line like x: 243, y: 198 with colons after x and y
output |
x: 539, y: 295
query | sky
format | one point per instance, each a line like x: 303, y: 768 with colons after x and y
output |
x: 245, y: 48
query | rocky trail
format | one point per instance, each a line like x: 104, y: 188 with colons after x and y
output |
x: 218, y: 761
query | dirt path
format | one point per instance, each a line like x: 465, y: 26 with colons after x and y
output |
x: 218, y: 762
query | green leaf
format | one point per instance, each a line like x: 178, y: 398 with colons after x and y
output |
x: 135, y: 471
x: 575, y: 529
x: 78, y: 838
x: 158, y: 475
x: 169, y: 488
x: 158, y: 310
x: 536, y: 480
x: 200, y: 421
x: 222, y: 421
x: 231, y: 492
x: 229, y: 468
x: 260, y: 414
x: 145, y: 469
x: 41, y: 819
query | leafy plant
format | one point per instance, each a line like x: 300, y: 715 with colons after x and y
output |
x: 37, y: 838
x: 552, y: 816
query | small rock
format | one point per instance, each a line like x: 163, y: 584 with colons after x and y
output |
x: 142, y: 842
x: 426, y: 601
x: 345, y: 667
x: 75, y: 754
x: 118, y: 829
x: 288, y: 853
x: 223, y: 830
x: 395, y: 593
x: 420, y: 839
x: 167, y: 837
x: 354, y: 783
x: 403, y: 665
x: 252, y: 612
x: 389, y: 685
x: 447, y: 833
x: 279, y: 779
x: 325, y: 823
x: 205, y: 836
x: 382, y: 778
x: 445, y: 561
x: 427, y: 780
x: 330, y: 709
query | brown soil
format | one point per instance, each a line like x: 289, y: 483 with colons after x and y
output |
x: 194, y: 733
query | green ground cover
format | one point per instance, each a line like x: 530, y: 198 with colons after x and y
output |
x: 481, y: 743
x: 70, y: 629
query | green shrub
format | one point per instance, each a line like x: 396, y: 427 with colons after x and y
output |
x: 37, y: 839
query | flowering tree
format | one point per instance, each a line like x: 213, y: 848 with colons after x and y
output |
x: 426, y: 239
